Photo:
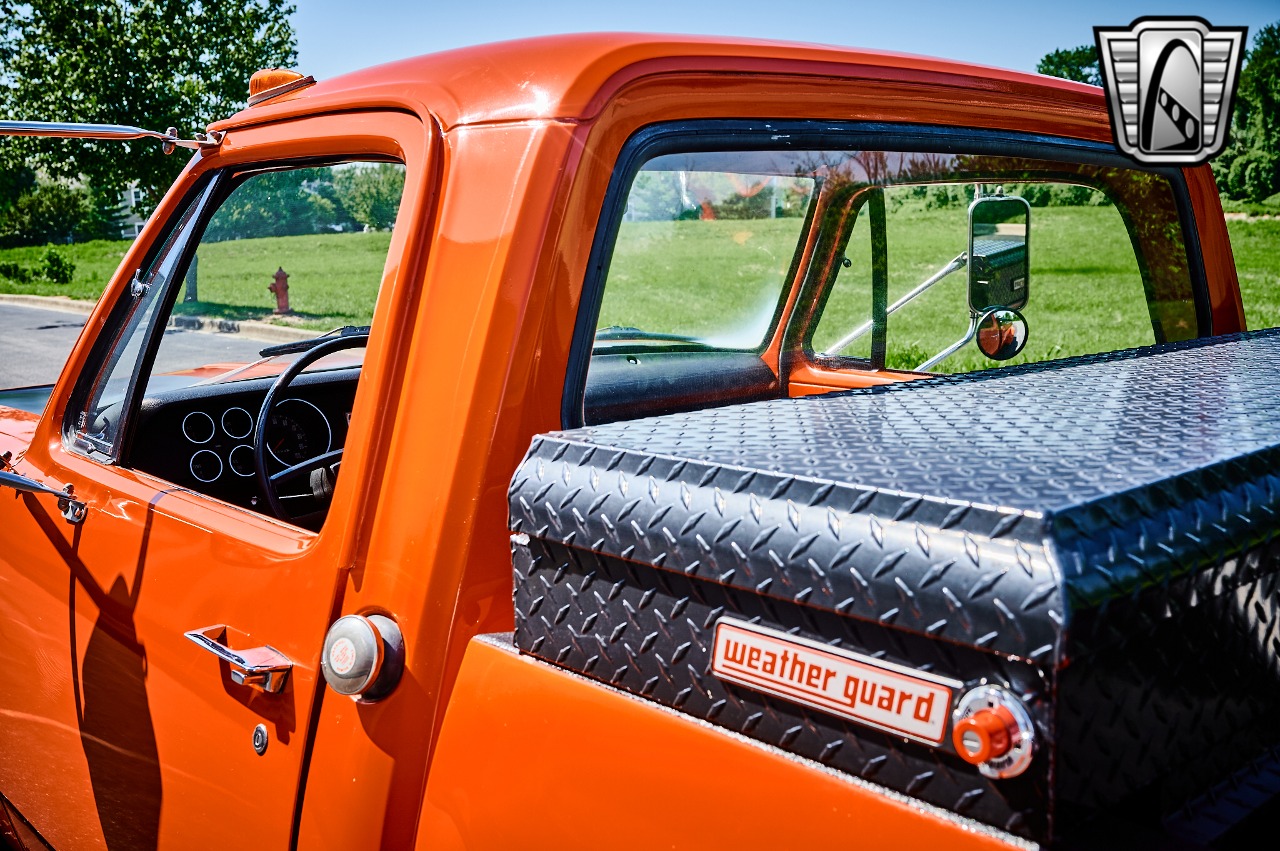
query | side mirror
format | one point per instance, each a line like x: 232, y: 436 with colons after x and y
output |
x: 999, y: 265
x: 1001, y: 333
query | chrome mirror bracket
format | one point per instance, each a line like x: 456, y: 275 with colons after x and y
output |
x: 72, y: 509
x: 169, y: 140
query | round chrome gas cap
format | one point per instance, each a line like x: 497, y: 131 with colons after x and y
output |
x: 363, y: 656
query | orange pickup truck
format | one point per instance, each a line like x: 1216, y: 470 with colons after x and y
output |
x: 872, y: 453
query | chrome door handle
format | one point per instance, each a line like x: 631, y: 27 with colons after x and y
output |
x: 263, y: 668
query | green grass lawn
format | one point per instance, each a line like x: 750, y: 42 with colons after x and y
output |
x: 722, y: 278
x: 333, y: 278
x: 714, y: 279
x: 95, y: 263
x: 1085, y: 289
x: 1255, y: 244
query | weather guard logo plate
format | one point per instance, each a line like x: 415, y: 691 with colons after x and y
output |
x: 1170, y: 83
x: 850, y: 685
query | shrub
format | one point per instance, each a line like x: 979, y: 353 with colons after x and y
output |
x: 50, y: 213
x: 14, y: 272
x: 56, y: 268
x: 1251, y: 176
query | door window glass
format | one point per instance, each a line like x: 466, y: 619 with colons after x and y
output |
x: 711, y: 246
x: 263, y: 266
x: 321, y: 233
x: 97, y: 426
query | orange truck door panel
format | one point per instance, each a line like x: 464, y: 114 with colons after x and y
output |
x: 118, y: 730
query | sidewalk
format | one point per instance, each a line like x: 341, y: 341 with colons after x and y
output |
x: 250, y: 329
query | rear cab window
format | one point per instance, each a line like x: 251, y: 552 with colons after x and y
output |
x: 1108, y: 269
x: 703, y: 252
x: 724, y: 272
x: 700, y: 264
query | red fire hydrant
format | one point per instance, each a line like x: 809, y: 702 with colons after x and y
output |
x: 281, y: 290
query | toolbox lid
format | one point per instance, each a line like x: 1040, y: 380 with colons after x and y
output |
x: 1039, y: 438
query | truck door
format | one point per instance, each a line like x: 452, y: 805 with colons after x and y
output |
x: 132, y: 714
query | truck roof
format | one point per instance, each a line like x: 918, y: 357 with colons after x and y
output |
x: 570, y: 77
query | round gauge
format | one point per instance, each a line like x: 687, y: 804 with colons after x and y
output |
x: 198, y: 427
x: 237, y: 423
x: 205, y: 465
x: 297, y: 431
x: 241, y: 460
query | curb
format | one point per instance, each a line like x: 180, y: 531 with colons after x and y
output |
x: 50, y: 302
x: 250, y: 328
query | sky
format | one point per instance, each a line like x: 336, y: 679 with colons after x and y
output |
x: 336, y: 36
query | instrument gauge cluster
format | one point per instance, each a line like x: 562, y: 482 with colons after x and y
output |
x: 202, y: 437
x: 223, y: 441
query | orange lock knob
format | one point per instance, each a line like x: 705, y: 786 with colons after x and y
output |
x: 985, y: 735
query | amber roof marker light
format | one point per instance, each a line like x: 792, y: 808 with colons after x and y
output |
x: 270, y: 83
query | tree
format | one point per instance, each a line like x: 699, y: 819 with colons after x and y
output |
x: 1076, y: 63
x: 50, y: 213
x: 1258, y: 116
x: 280, y: 203
x: 1249, y: 169
x: 370, y: 192
x: 1260, y: 85
x: 147, y: 63
x: 103, y: 219
x: 655, y: 197
x: 15, y: 181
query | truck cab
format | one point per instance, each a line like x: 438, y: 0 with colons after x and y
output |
x: 592, y: 230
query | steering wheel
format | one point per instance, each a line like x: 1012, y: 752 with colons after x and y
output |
x: 270, y: 484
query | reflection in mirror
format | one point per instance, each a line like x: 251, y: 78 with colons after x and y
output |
x: 1001, y: 333
x: 998, y: 252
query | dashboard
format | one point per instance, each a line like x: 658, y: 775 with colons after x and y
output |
x: 202, y: 436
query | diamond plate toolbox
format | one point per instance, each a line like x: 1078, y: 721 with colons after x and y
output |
x: 1093, y: 537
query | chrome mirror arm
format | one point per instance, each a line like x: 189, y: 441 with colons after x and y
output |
x: 72, y: 509
x: 953, y: 348
x: 61, y: 130
x: 954, y: 266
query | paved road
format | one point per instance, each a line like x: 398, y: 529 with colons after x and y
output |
x: 35, y: 343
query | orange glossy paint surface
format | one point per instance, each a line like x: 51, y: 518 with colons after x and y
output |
x: 576, y: 76
x: 129, y: 735
x: 809, y: 379
x: 1225, y: 304
x: 578, y: 765
x: 16, y: 430
x: 509, y: 149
